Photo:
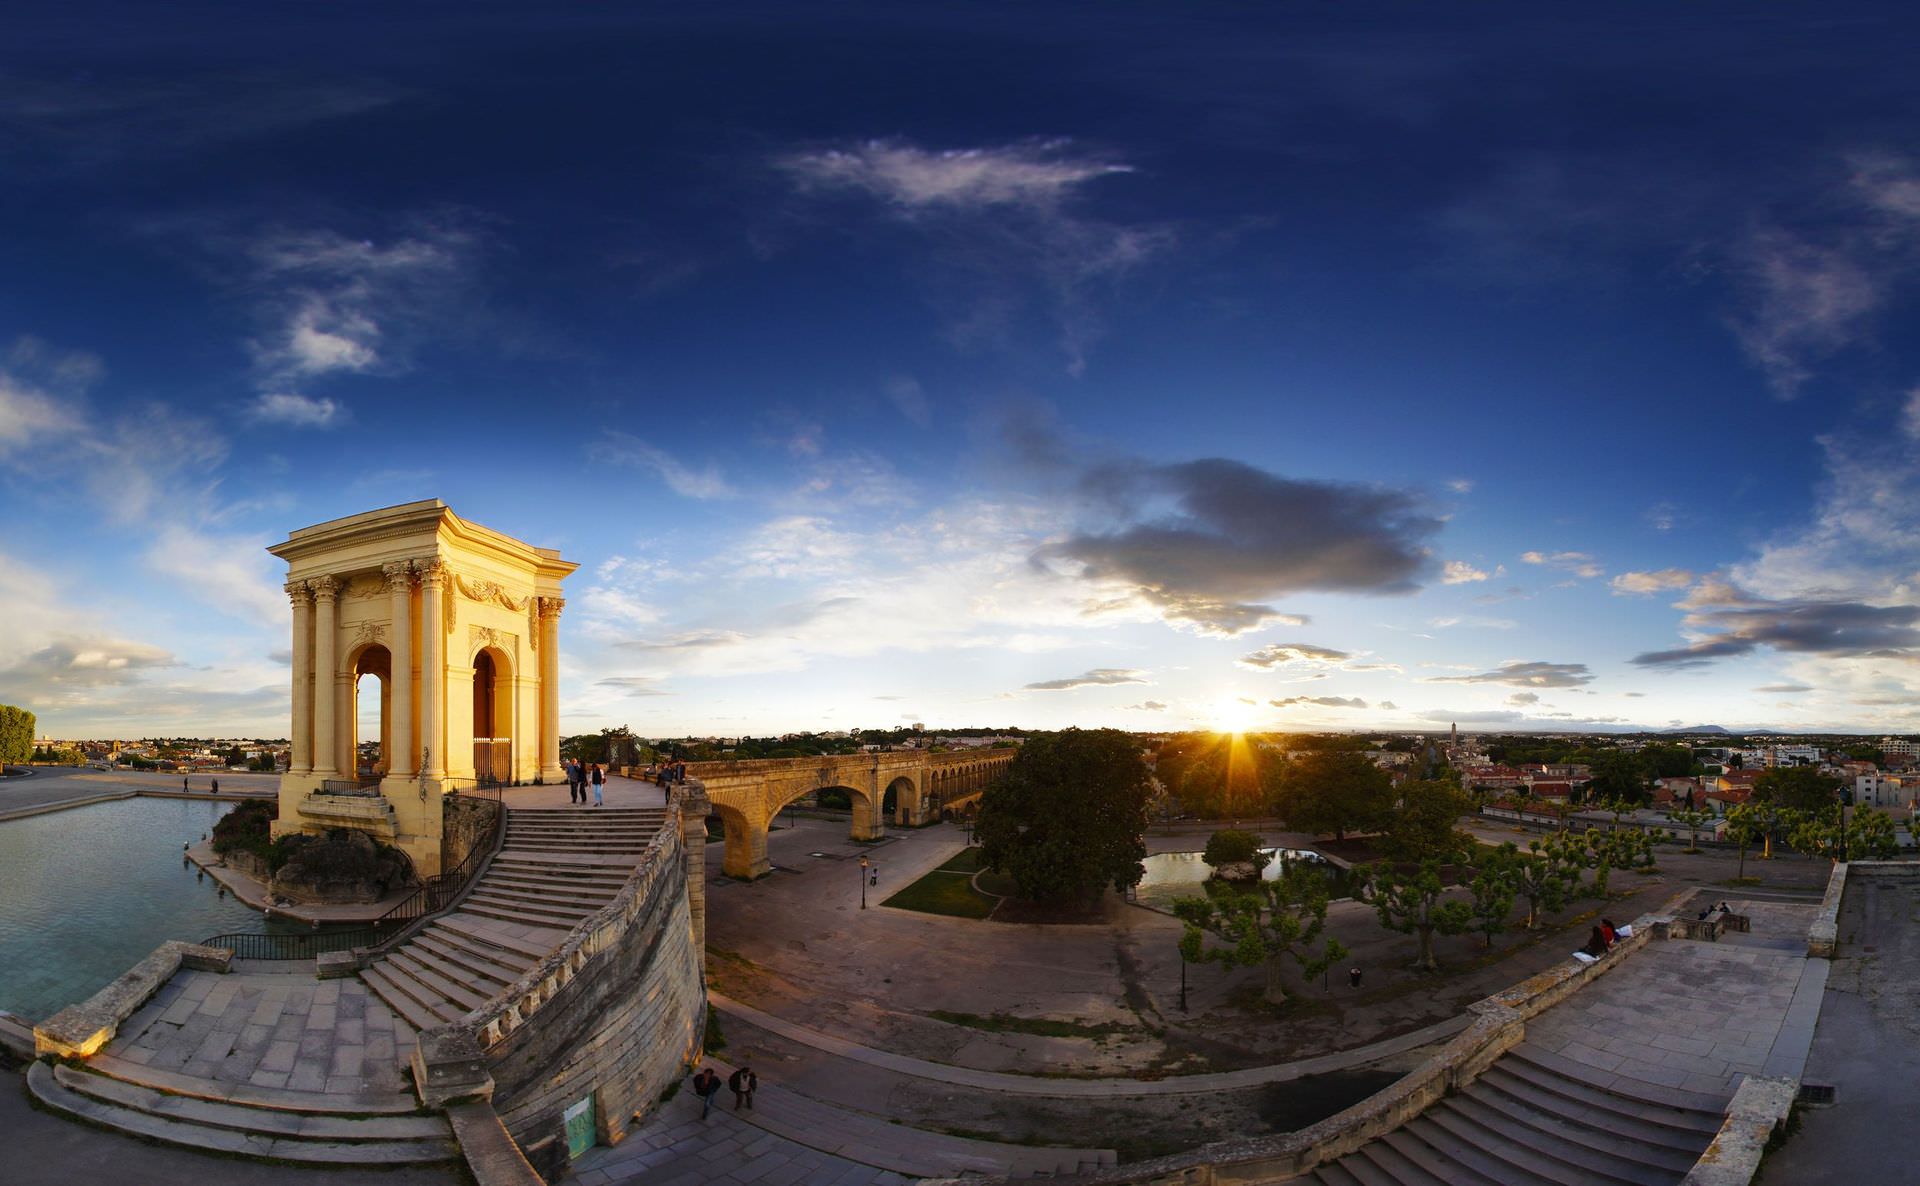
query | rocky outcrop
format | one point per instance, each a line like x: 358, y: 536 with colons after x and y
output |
x: 342, y: 866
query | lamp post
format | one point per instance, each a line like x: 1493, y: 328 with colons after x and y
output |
x: 863, y: 882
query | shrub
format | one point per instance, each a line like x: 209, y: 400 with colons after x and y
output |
x: 1231, y: 846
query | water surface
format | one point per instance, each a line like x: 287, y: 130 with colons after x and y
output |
x: 1173, y: 875
x: 88, y: 892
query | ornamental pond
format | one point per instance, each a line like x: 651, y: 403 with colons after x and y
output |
x: 87, y: 892
x: 1172, y: 875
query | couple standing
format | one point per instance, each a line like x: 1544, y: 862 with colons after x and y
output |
x: 578, y: 778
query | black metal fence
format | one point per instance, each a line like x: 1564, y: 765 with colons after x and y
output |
x: 434, y: 896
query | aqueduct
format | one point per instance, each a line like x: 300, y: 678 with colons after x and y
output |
x: 747, y: 795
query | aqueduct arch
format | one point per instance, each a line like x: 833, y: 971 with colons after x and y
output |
x: 467, y: 620
x: 748, y: 794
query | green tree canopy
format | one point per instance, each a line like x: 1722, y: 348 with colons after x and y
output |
x: 1333, y: 791
x: 1067, y: 818
x: 16, y: 734
x: 1796, y: 788
x: 1230, y: 846
x: 1264, y: 926
x: 1425, y: 827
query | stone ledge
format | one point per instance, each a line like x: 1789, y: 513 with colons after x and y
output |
x: 1758, y: 1107
x: 491, y: 1154
x: 336, y: 965
x: 77, y: 1031
x: 1824, y: 935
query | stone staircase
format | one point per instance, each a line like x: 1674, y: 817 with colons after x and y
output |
x: 1535, y: 1117
x: 304, y: 1127
x: 555, y: 867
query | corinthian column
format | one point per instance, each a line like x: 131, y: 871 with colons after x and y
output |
x: 400, y: 756
x: 326, y: 629
x: 550, y: 690
x: 433, y: 668
x: 302, y: 598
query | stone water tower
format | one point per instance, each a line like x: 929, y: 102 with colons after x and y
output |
x: 459, y: 624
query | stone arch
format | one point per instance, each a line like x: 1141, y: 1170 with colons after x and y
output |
x: 369, y: 658
x: 744, y: 847
x: 494, y: 711
x: 908, y: 802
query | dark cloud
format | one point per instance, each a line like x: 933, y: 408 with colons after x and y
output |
x: 1280, y: 653
x: 1524, y: 698
x: 87, y: 662
x: 1784, y: 689
x: 1323, y: 701
x: 1098, y: 677
x: 1206, y: 541
x: 1147, y: 706
x: 1525, y: 675
x: 1732, y: 622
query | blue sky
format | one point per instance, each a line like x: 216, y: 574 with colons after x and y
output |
x: 1293, y: 366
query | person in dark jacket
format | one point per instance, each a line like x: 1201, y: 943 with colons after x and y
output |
x: 706, y: 1085
x: 743, y: 1083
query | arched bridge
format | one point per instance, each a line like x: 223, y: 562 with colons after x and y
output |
x: 747, y: 795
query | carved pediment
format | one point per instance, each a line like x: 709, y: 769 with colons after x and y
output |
x: 489, y: 593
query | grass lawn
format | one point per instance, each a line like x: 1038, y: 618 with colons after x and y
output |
x: 947, y: 890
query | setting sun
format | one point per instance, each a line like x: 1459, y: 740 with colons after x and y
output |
x: 1235, y: 714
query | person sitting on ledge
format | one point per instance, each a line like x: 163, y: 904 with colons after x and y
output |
x: 1608, y: 932
x: 1595, y: 948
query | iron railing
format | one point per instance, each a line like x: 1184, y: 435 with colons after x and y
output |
x: 435, y: 895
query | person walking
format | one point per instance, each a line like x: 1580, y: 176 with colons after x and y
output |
x: 599, y: 782
x: 743, y: 1083
x: 706, y: 1085
x: 183, y: 782
x: 216, y: 786
x: 576, y: 782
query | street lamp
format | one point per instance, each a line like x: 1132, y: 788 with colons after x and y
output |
x: 863, y: 882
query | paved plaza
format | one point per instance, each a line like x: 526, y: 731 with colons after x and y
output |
x: 58, y: 784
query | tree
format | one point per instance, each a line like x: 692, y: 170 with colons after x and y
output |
x: 1866, y: 834
x: 1411, y: 904
x: 1668, y: 761
x: 1544, y: 879
x: 1425, y: 827
x: 236, y: 756
x: 17, y: 726
x: 1231, y: 846
x: 1796, y: 788
x: 1333, y: 791
x: 1493, y: 887
x: 1068, y: 816
x: 1745, y: 824
x: 1692, y: 821
x: 1617, y: 774
x: 1264, y: 926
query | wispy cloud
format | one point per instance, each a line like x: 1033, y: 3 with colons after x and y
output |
x: 1646, y: 583
x: 622, y: 448
x: 1003, y: 226
x: 1726, y: 621
x: 1524, y: 675
x: 292, y: 410
x: 1320, y: 701
x: 1459, y: 572
x: 1580, y: 564
x: 1099, y: 677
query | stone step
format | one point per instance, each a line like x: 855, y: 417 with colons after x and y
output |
x: 516, y: 844
x: 484, y: 930
x: 1461, y: 1154
x: 240, y: 1118
x: 189, y: 1133
x: 1498, y: 1156
x: 271, y: 1098
x: 417, y: 968
x: 514, y: 912
x: 478, y: 968
x: 1581, y: 1147
x: 559, y: 862
x: 1522, y: 1085
x: 585, y: 897
x: 1415, y: 1162
x: 606, y: 885
x: 411, y: 1000
x: 537, y: 907
x: 1379, y: 1164
x: 1624, y: 1086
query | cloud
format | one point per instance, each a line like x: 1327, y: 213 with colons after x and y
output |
x: 1099, y: 677
x: 910, y: 400
x: 1459, y: 572
x: 1460, y: 485
x: 1200, y: 541
x: 88, y: 662
x: 1784, y: 689
x: 295, y: 411
x: 1322, y: 701
x: 1726, y: 621
x: 1003, y: 228
x: 1037, y: 174
x: 1147, y: 706
x: 631, y: 685
x: 1646, y: 583
x: 1279, y: 654
x: 1580, y: 564
x: 1524, y: 675
x: 29, y: 416
x: 1524, y: 698
x: 1662, y: 516
x: 622, y: 448
x: 1388, y: 704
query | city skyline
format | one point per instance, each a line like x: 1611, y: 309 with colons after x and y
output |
x: 1276, y: 369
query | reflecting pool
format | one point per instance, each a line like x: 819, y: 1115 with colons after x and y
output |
x: 88, y: 892
x: 1173, y: 875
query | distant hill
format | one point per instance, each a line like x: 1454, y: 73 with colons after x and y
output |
x: 1694, y: 729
